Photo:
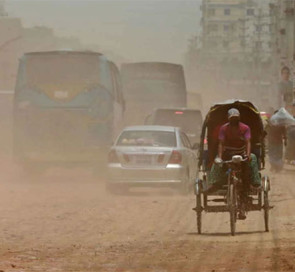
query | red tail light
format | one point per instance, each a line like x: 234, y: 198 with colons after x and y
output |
x: 126, y: 157
x: 161, y: 158
x: 113, y: 157
x: 175, y: 157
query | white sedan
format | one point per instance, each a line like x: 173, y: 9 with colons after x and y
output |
x: 152, y: 156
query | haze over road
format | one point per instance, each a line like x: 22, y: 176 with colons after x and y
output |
x: 136, y: 30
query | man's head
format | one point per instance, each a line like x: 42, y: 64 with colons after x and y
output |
x: 233, y: 116
x: 285, y: 73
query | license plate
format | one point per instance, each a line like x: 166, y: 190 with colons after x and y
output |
x: 61, y: 94
x: 143, y: 159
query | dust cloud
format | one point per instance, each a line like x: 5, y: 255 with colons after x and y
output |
x: 68, y: 107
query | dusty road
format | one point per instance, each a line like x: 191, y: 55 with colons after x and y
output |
x: 65, y: 221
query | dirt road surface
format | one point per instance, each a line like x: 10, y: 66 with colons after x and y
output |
x: 65, y: 221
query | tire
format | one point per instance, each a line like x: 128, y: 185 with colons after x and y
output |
x: 199, y: 213
x: 232, y: 203
x: 266, y: 211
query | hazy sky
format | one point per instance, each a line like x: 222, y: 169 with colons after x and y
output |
x: 136, y: 30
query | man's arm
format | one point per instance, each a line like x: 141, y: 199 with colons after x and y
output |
x: 248, y: 148
x: 284, y: 134
x: 221, y: 138
x: 220, y: 149
x: 248, y: 142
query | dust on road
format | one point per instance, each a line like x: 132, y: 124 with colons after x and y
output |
x: 65, y: 221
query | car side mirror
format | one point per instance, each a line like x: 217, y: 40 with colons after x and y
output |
x: 196, y: 146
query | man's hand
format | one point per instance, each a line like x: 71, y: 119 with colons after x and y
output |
x: 249, y: 158
x: 285, y: 142
x: 218, y: 160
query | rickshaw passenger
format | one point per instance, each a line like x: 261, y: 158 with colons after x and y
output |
x: 235, y: 139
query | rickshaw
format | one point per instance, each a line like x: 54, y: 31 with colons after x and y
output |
x: 226, y: 197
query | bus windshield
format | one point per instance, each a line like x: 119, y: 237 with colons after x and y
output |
x: 66, y: 71
x: 149, y: 79
x: 150, y: 85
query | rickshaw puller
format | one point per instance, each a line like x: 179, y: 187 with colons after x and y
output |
x: 235, y: 139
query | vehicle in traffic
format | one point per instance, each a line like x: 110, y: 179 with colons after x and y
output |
x: 227, y: 197
x: 152, y: 156
x: 68, y: 107
x: 150, y: 85
x: 189, y: 120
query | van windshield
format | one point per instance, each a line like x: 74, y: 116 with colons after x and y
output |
x: 190, y: 121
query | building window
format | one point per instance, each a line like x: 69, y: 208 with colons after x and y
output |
x: 212, y: 28
x: 250, y: 12
x: 258, y: 45
x: 213, y: 45
x: 211, y: 12
x: 225, y: 44
x: 226, y: 28
x: 258, y: 28
x: 227, y: 11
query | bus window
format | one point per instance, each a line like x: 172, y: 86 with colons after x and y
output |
x: 151, y: 85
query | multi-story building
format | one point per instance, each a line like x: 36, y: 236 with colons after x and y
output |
x: 221, y: 27
x: 237, y: 48
x: 285, y: 12
x: 233, y: 28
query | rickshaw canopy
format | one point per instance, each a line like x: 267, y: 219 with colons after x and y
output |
x: 217, y: 116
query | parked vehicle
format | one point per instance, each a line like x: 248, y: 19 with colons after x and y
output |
x: 189, y: 120
x: 152, y: 156
x: 67, y: 107
x: 150, y: 85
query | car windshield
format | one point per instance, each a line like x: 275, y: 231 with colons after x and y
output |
x: 189, y: 121
x: 147, y: 138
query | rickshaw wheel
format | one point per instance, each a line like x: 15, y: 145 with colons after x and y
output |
x: 266, y: 211
x: 266, y: 206
x: 232, y: 201
x: 199, y: 213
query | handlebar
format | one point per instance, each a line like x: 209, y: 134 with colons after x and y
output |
x: 235, y: 160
